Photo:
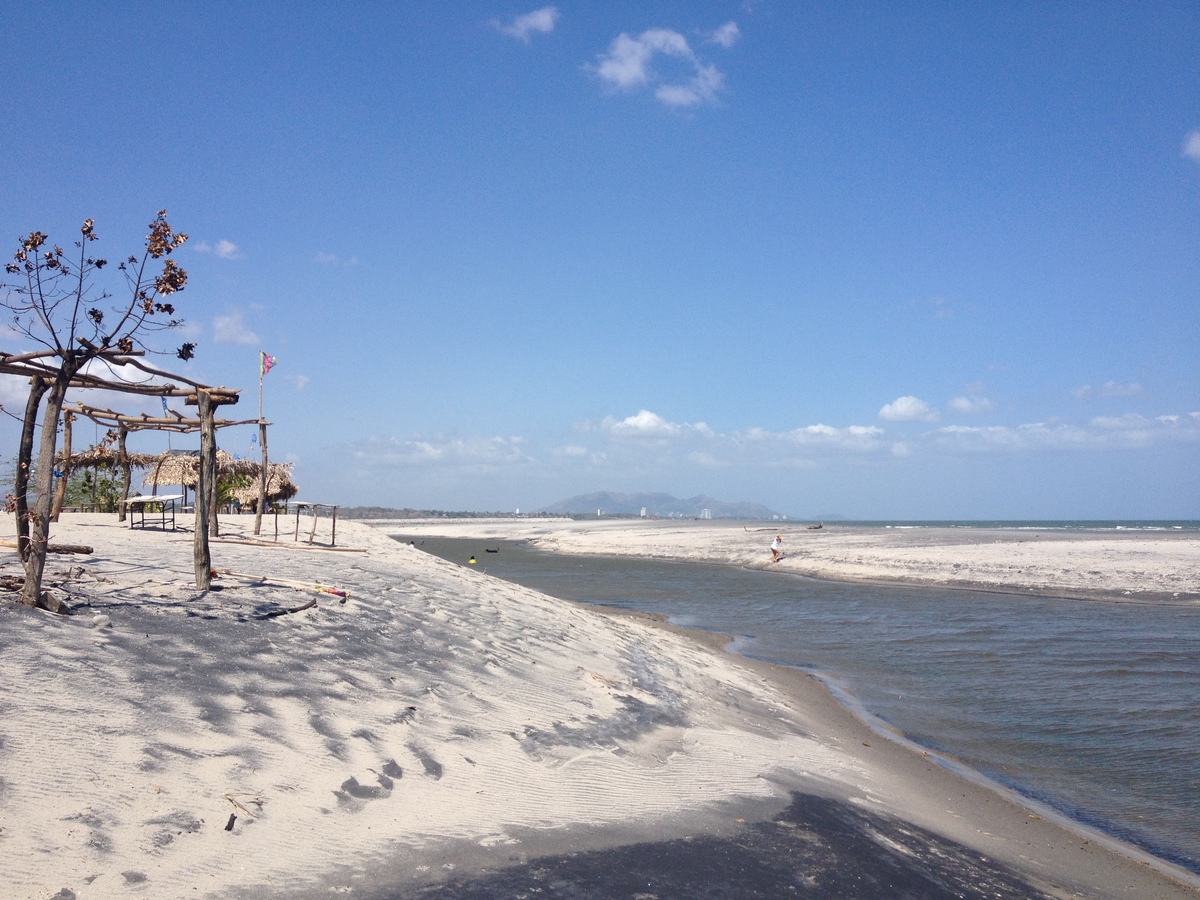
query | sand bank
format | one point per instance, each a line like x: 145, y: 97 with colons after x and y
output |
x: 1111, y: 565
x: 438, y: 731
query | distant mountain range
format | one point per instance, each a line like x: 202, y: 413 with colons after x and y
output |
x: 662, y: 505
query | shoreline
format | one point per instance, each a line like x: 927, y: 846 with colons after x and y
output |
x: 1119, y: 566
x: 440, y: 718
x: 852, y: 706
x: 912, y: 754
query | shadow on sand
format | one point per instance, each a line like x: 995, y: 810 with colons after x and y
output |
x: 818, y: 847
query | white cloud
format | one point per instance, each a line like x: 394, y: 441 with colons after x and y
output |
x: 474, y: 454
x: 703, y: 88
x: 574, y: 454
x: 299, y: 382
x: 971, y: 405
x: 908, y: 409
x: 540, y: 20
x: 231, y: 329
x: 626, y: 66
x: 727, y: 35
x: 645, y: 424
x: 1191, y: 144
x: 650, y: 447
x: 647, y: 442
x: 222, y: 249
x: 14, y: 391
x: 854, y: 437
x: 1129, y: 431
x: 707, y: 460
x: 117, y: 401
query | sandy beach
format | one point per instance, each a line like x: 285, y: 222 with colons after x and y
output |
x: 440, y: 733
x: 1127, y: 565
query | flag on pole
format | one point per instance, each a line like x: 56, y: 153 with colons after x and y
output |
x: 265, y: 363
x: 165, y: 410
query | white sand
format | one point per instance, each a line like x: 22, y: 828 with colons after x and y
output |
x: 1131, y: 565
x: 436, y: 711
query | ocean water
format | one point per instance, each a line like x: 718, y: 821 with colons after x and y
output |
x: 1092, y: 708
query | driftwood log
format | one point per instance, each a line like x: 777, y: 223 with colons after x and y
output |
x: 275, y: 613
x: 56, y: 548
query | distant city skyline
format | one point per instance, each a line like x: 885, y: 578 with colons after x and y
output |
x: 928, y: 261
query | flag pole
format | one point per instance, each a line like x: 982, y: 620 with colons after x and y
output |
x: 262, y: 440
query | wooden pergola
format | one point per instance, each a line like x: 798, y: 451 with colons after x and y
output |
x: 206, y: 398
x: 123, y: 424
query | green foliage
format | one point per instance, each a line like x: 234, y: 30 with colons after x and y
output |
x: 100, y: 488
x: 229, y: 485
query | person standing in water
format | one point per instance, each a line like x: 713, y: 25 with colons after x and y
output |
x: 777, y: 548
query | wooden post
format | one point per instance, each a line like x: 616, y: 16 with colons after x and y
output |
x: 157, y: 469
x: 201, y: 554
x: 333, y: 540
x: 262, y: 476
x: 296, y: 536
x: 313, y: 533
x: 60, y: 489
x: 37, y: 389
x: 126, y: 471
x: 214, y: 523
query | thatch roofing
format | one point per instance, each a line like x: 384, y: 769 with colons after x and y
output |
x: 101, y: 457
x: 183, y: 468
x: 279, y: 485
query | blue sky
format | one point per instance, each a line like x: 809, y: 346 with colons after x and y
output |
x: 880, y: 260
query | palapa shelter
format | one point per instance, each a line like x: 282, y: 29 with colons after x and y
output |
x: 279, y: 486
x: 183, y: 468
x: 96, y: 458
x: 39, y: 367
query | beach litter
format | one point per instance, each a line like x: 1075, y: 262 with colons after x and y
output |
x: 287, y: 582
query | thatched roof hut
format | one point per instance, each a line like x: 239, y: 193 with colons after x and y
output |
x: 183, y: 468
x: 279, y: 485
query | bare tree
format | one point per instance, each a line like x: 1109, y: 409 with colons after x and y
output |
x: 56, y: 306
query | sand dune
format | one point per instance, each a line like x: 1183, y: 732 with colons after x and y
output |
x: 437, y: 724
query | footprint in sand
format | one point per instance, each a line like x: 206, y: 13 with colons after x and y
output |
x: 433, y: 768
x: 352, y: 789
x: 171, y: 826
